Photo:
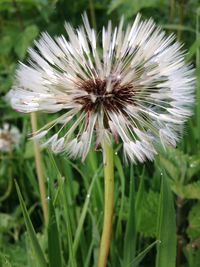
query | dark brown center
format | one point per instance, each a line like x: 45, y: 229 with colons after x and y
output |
x: 99, y: 97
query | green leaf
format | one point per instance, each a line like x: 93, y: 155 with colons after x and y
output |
x: 54, y: 250
x: 148, y: 213
x: 193, y: 230
x: 25, y: 39
x: 190, y: 191
x: 15, y: 254
x: 6, y: 222
x: 169, y: 166
x: 36, y: 246
x: 194, y: 166
x: 193, y: 49
x: 166, y: 227
x: 179, y: 166
x: 175, y: 162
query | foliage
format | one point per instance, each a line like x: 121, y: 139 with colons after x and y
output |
x: 193, y: 229
x: 147, y: 197
x: 149, y: 211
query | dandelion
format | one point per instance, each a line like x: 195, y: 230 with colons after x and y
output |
x: 9, y: 137
x: 134, y: 87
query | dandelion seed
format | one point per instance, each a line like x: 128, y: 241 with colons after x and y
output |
x: 9, y: 137
x: 137, y: 90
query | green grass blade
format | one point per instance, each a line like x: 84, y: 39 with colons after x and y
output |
x: 94, y: 242
x: 193, y: 49
x: 33, y: 238
x: 54, y: 250
x: 120, y: 172
x: 130, y: 233
x: 72, y: 259
x: 84, y: 211
x: 139, y: 200
x: 142, y: 254
x: 178, y: 27
x: 166, y: 228
x: 66, y: 212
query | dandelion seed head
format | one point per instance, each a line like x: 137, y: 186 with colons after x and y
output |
x: 9, y: 137
x: 130, y: 85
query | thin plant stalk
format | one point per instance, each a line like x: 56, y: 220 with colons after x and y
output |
x: 108, y: 204
x: 92, y: 14
x: 172, y: 10
x: 198, y: 65
x: 38, y: 163
x: 181, y: 17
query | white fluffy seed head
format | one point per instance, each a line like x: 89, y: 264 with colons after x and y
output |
x: 136, y: 89
x: 9, y: 137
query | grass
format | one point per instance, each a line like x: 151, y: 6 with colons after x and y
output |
x: 156, y: 205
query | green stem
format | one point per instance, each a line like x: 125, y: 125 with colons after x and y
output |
x: 181, y: 17
x: 197, y: 67
x: 172, y: 10
x: 108, y: 204
x: 92, y: 14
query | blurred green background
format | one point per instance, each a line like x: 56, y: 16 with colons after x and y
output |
x: 153, y: 201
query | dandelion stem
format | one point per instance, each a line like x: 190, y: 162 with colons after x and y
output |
x: 40, y: 176
x: 108, y: 204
